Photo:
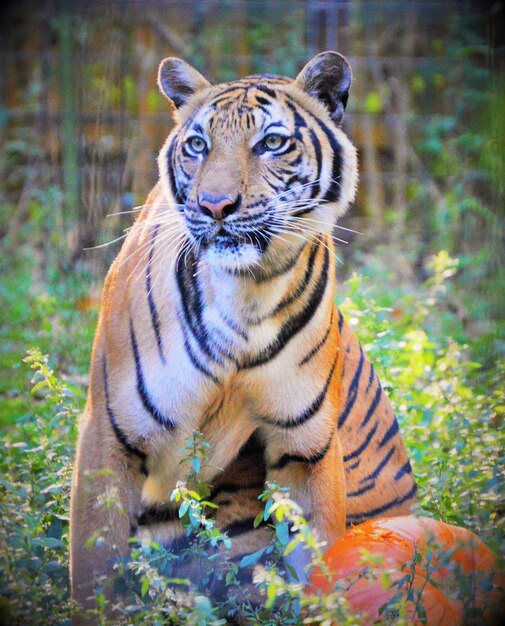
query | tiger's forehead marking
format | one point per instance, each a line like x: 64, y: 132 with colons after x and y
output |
x: 245, y: 104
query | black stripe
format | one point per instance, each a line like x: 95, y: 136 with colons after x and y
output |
x: 155, y: 319
x: 234, y: 326
x: 264, y: 101
x: 340, y: 322
x: 313, y: 459
x: 195, y: 221
x: 372, y: 407
x: 238, y: 85
x: 298, y: 119
x: 226, y: 352
x: 267, y: 90
x: 359, y: 492
x: 261, y: 277
x: 171, y: 173
x: 363, y: 446
x: 391, y: 432
x: 333, y: 192
x: 239, y: 527
x: 192, y: 305
x: 353, y: 390
x: 295, y: 162
x: 223, y: 350
x: 158, y: 514
x: 373, y: 475
x: 318, y: 345
x: 291, y: 148
x: 293, y: 422
x: 305, y: 211
x: 194, y: 359
x: 273, y: 187
x: 295, y: 323
x: 405, y: 469
x: 349, y: 468
x: 176, y: 546
x: 163, y: 420
x: 279, y: 176
x: 357, y: 518
x: 370, y: 378
x: 319, y: 159
x: 285, y: 302
x: 120, y: 435
x: 295, y: 179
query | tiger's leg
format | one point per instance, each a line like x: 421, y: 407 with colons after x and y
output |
x: 235, y: 491
x: 309, y: 462
x: 105, y: 490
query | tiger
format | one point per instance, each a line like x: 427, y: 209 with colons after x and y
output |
x: 219, y: 316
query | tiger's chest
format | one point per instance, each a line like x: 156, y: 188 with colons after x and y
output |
x: 226, y: 376
x: 251, y: 361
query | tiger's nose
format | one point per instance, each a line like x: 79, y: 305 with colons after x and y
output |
x: 218, y: 207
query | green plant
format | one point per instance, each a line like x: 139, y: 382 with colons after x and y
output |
x: 35, y: 463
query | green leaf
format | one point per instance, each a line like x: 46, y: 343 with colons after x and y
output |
x: 293, y: 573
x: 145, y: 587
x: 292, y: 545
x: 258, y: 520
x: 100, y: 601
x: 211, y: 505
x: 38, y: 386
x: 52, y: 567
x: 268, y: 508
x: 47, y: 542
x: 251, y: 559
x: 282, y: 532
x: 183, y: 509
x: 54, y: 488
x: 373, y: 103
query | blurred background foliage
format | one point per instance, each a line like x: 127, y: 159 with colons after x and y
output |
x: 81, y: 122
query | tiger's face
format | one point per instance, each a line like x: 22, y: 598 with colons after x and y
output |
x: 258, y: 166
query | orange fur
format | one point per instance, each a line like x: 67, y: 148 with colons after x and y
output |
x: 241, y: 341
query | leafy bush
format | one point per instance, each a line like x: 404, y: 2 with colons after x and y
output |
x: 451, y: 415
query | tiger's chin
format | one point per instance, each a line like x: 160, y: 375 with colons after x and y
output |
x: 233, y: 257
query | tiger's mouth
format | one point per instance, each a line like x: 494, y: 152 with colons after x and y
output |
x: 225, y: 238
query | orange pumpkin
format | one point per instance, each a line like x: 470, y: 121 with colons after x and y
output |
x: 463, y: 575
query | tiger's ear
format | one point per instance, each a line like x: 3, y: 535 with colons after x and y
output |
x: 327, y: 77
x: 179, y: 80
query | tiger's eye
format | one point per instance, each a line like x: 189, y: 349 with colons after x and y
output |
x: 273, y: 142
x: 197, y: 144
